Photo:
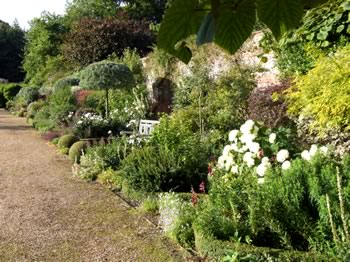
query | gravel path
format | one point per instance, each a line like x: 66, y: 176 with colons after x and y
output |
x: 47, y: 215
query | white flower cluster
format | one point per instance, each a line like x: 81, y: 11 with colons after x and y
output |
x: 91, y: 119
x: 314, y: 149
x: 70, y: 115
x: 245, y: 151
x: 135, y: 140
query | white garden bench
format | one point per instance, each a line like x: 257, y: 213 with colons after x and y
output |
x: 145, y: 128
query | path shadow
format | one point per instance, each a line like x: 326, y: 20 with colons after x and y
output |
x: 15, y: 128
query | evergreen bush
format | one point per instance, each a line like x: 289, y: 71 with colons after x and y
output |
x: 76, y: 150
x: 67, y: 141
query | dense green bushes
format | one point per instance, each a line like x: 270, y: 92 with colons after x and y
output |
x: 102, y: 157
x: 65, y: 82
x: 173, y: 160
x: 8, y: 92
x: 323, y: 30
x: 67, y: 141
x: 27, y: 95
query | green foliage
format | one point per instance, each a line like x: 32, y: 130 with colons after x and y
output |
x: 42, y: 120
x: 65, y: 82
x: 322, y: 31
x: 12, y: 41
x: 67, y: 141
x: 27, y: 95
x: 304, y: 207
x: 10, y: 90
x: 225, y: 23
x: 111, y: 178
x: 174, y: 160
x: 324, y: 96
x: 78, y: 9
x: 209, y: 105
x: 176, y: 215
x: 76, y: 150
x: 132, y: 59
x: 61, y: 103
x: 100, y: 158
x: 128, y: 108
x: 106, y: 75
x: 150, y: 205
x: 326, y: 26
x: 92, y: 40
x: 44, y: 41
x: 34, y: 107
x: 152, y: 11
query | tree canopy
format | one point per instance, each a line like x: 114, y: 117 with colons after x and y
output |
x: 43, y: 42
x: 12, y: 42
x: 95, y: 9
x: 106, y: 75
x: 92, y: 40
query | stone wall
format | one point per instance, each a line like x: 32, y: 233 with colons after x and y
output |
x: 218, y: 62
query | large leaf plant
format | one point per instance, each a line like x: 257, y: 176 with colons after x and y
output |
x: 228, y: 23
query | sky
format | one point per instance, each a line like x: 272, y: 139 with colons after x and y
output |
x: 26, y: 10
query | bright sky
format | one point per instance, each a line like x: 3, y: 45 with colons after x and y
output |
x: 26, y: 10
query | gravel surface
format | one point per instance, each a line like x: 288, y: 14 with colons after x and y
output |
x: 48, y: 215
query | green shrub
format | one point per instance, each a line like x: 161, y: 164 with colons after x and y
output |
x: 76, y: 150
x: 28, y: 94
x: 174, y: 160
x: 34, y: 107
x: 323, y: 30
x: 132, y: 59
x: 113, y: 179
x: 65, y: 82
x: 150, y: 205
x: 323, y: 93
x: 42, y: 121
x: 55, y: 141
x: 268, y: 197
x: 11, y: 90
x: 61, y: 103
x: 102, y: 157
x: 67, y: 141
x: 220, y: 104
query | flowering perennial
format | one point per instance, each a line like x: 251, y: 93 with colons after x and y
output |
x: 245, y: 152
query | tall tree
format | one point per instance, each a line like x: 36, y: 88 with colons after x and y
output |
x: 95, y: 9
x: 92, y: 40
x: 44, y: 40
x: 11, y: 50
x: 150, y: 10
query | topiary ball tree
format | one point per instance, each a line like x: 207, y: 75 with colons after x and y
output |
x: 106, y: 75
x: 76, y: 150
